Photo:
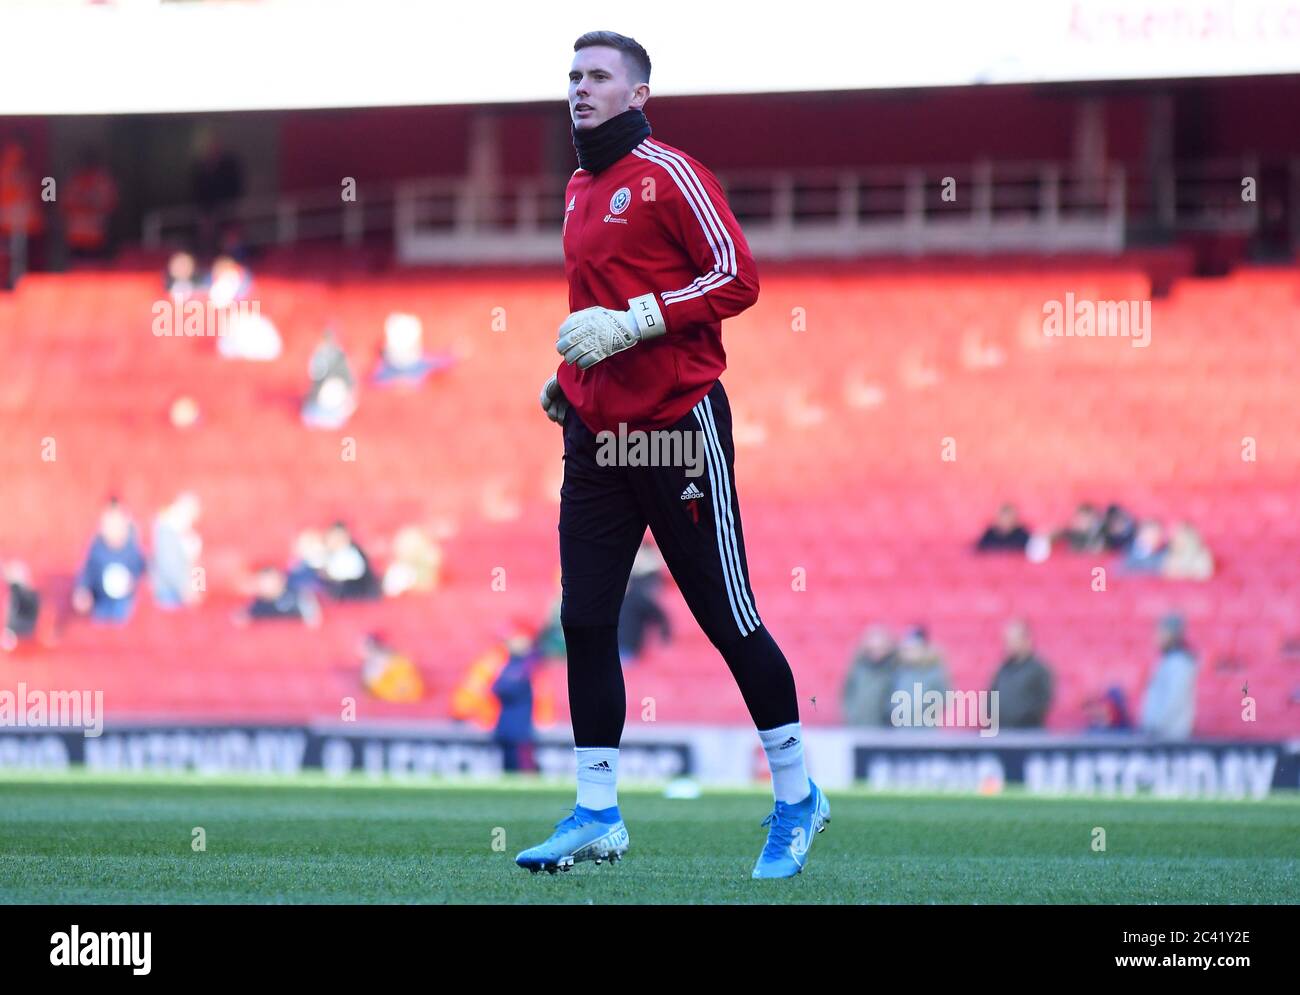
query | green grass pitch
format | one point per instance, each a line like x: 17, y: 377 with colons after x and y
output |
x: 85, y: 838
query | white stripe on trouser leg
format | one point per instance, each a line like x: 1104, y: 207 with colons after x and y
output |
x: 715, y: 496
x: 714, y: 493
x: 722, y: 505
x: 730, y: 527
x: 714, y: 445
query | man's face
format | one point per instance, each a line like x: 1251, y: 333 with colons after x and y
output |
x: 912, y: 649
x: 115, y: 527
x: 1017, y: 639
x: 187, y: 508
x: 1150, y: 535
x: 601, y: 88
x: 878, y: 642
x: 270, y: 584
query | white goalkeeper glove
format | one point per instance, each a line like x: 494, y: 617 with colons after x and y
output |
x: 596, y: 333
x: 554, y: 403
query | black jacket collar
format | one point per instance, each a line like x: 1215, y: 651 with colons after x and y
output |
x: 600, y: 147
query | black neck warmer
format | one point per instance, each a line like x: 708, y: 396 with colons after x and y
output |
x: 600, y: 147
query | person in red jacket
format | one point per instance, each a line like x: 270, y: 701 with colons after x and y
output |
x: 88, y: 206
x: 655, y: 262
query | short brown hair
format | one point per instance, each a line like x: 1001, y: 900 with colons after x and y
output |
x: 634, y: 56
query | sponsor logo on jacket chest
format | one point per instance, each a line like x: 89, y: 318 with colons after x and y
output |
x: 617, y: 205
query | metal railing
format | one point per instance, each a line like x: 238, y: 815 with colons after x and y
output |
x: 976, y: 208
x: 972, y: 208
x: 1200, y: 196
x: 278, y: 219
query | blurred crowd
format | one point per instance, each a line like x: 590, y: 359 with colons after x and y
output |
x: 883, y: 666
x: 324, y: 563
x: 48, y: 216
x: 77, y: 208
x: 499, y: 690
x: 1143, y: 546
x: 503, y: 691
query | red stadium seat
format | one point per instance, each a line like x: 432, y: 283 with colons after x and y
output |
x: 854, y: 497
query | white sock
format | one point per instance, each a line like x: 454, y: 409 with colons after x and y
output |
x: 784, y: 748
x: 597, y: 776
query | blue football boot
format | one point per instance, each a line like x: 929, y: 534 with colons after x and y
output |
x: 583, y: 835
x: 791, y: 833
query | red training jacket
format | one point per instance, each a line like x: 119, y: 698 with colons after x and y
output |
x: 654, y: 228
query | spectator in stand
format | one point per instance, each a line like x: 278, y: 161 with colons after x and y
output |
x: 176, y: 548
x: 1187, y: 558
x: 1147, y: 552
x: 88, y: 202
x: 182, y: 276
x: 183, y: 413
x: 1108, y: 712
x: 22, y: 606
x: 550, y: 638
x: 870, y: 680
x: 1006, y: 534
x: 416, y: 563
x: 331, y: 399
x: 243, y: 332
x: 402, y: 360
x: 919, y: 663
x: 641, y: 609
x: 229, y: 282
x: 106, y: 586
x: 307, y: 571
x: 346, y: 574
x: 274, y: 599
x: 513, y: 688
x: 1084, y: 533
x: 216, y: 179
x: 1118, y: 528
x: 20, y: 200
x: 233, y: 243
x: 1169, y: 705
x: 1023, y: 683
x: 388, y: 674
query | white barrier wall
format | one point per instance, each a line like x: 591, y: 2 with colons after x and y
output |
x: 711, y: 755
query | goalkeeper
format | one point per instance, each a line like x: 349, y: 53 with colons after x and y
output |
x: 655, y: 261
